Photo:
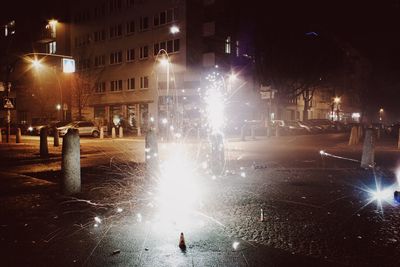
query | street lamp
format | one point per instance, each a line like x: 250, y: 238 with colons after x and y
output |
x: 336, y: 102
x: 380, y: 114
x: 68, y: 67
x: 174, y: 29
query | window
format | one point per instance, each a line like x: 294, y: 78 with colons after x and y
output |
x: 144, y: 82
x: 144, y: 52
x: 156, y: 48
x: 171, y: 46
x: 144, y: 23
x: 100, y: 87
x: 100, y: 35
x: 116, y: 85
x: 115, y: 31
x: 228, y: 45
x: 116, y: 57
x: 130, y: 27
x: 130, y: 54
x: 130, y: 3
x: 99, y: 111
x: 165, y: 16
x: 115, y: 5
x: 51, y: 48
x: 99, y: 60
x: 131, y: 84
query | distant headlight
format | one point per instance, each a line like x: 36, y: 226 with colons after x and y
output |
x: 30, y: 128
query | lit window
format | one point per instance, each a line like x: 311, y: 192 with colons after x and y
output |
x: 51, y: 47
x: 228, y: 45
x: 144, y: 82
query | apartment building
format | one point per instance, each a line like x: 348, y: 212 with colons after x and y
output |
x: 135, y: 57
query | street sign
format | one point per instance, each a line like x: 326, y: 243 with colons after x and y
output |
x: 9, y: 103
x: 68, y: 65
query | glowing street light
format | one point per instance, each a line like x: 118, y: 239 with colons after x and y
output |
x: 174, y: 29
x: 58, y: 107
x: 36, y: 63
x: 337, y: 100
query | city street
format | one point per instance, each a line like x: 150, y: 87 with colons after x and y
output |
x: 316, y: 211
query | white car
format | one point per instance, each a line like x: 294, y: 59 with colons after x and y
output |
x: 85, y: 128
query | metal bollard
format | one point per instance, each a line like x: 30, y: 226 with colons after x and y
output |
x: 71, y: 163
x: 56, y: 136
x: 101, y: 132
x: 353, y: 136
x: 253, y: 133
x: 18, y: 136
x: 151, y: 151
x: 44, y: 149
x: 243, y: 133
x: 368, y: 153
x: 121, y: 132
x: 113, y: 133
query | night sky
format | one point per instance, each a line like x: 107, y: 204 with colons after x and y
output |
x: 371, y: 27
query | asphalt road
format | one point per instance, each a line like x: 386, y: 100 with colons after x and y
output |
x: 317, y: 211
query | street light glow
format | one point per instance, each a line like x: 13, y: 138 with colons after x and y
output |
x: 36, y: 63
x: 58, y: 107
x: 174, y: 29
x: 164, y: 62
x: 337, y: 100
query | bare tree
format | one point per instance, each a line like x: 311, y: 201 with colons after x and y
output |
x: 297, y: 65
x: 85, y: 81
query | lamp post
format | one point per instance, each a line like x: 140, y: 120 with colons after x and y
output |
x: 37, y: 64
x: 336, y: 102
x: 381, y: 114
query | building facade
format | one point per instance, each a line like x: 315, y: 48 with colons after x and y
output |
x: 141, y: 62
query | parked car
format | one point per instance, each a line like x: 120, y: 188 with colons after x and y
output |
x: 312, y: 127
x: 13, y: 128
x: 325, y: 124
x: 294, y: 128
x: 85, y: 128
x: 35, y: 129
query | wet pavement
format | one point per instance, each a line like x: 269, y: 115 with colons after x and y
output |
x: 316, y: 213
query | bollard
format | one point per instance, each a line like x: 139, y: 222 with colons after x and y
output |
x: 353, y: 136
x: 368, y: 153
x: 139, y: 132
x: 121, y: 132
x: 269, y: 131
x: 253, y: 133
x: 44, y: 149
x: 101, y: 132
x: 18, y: 136
x: 277, y: 131
x: 71, y: 163
x: 360, y: 131
x: 113, y: 132
x: 56, y: 136
x: 151, y: 150
x: 243, y: 133
x: 398, y: 140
